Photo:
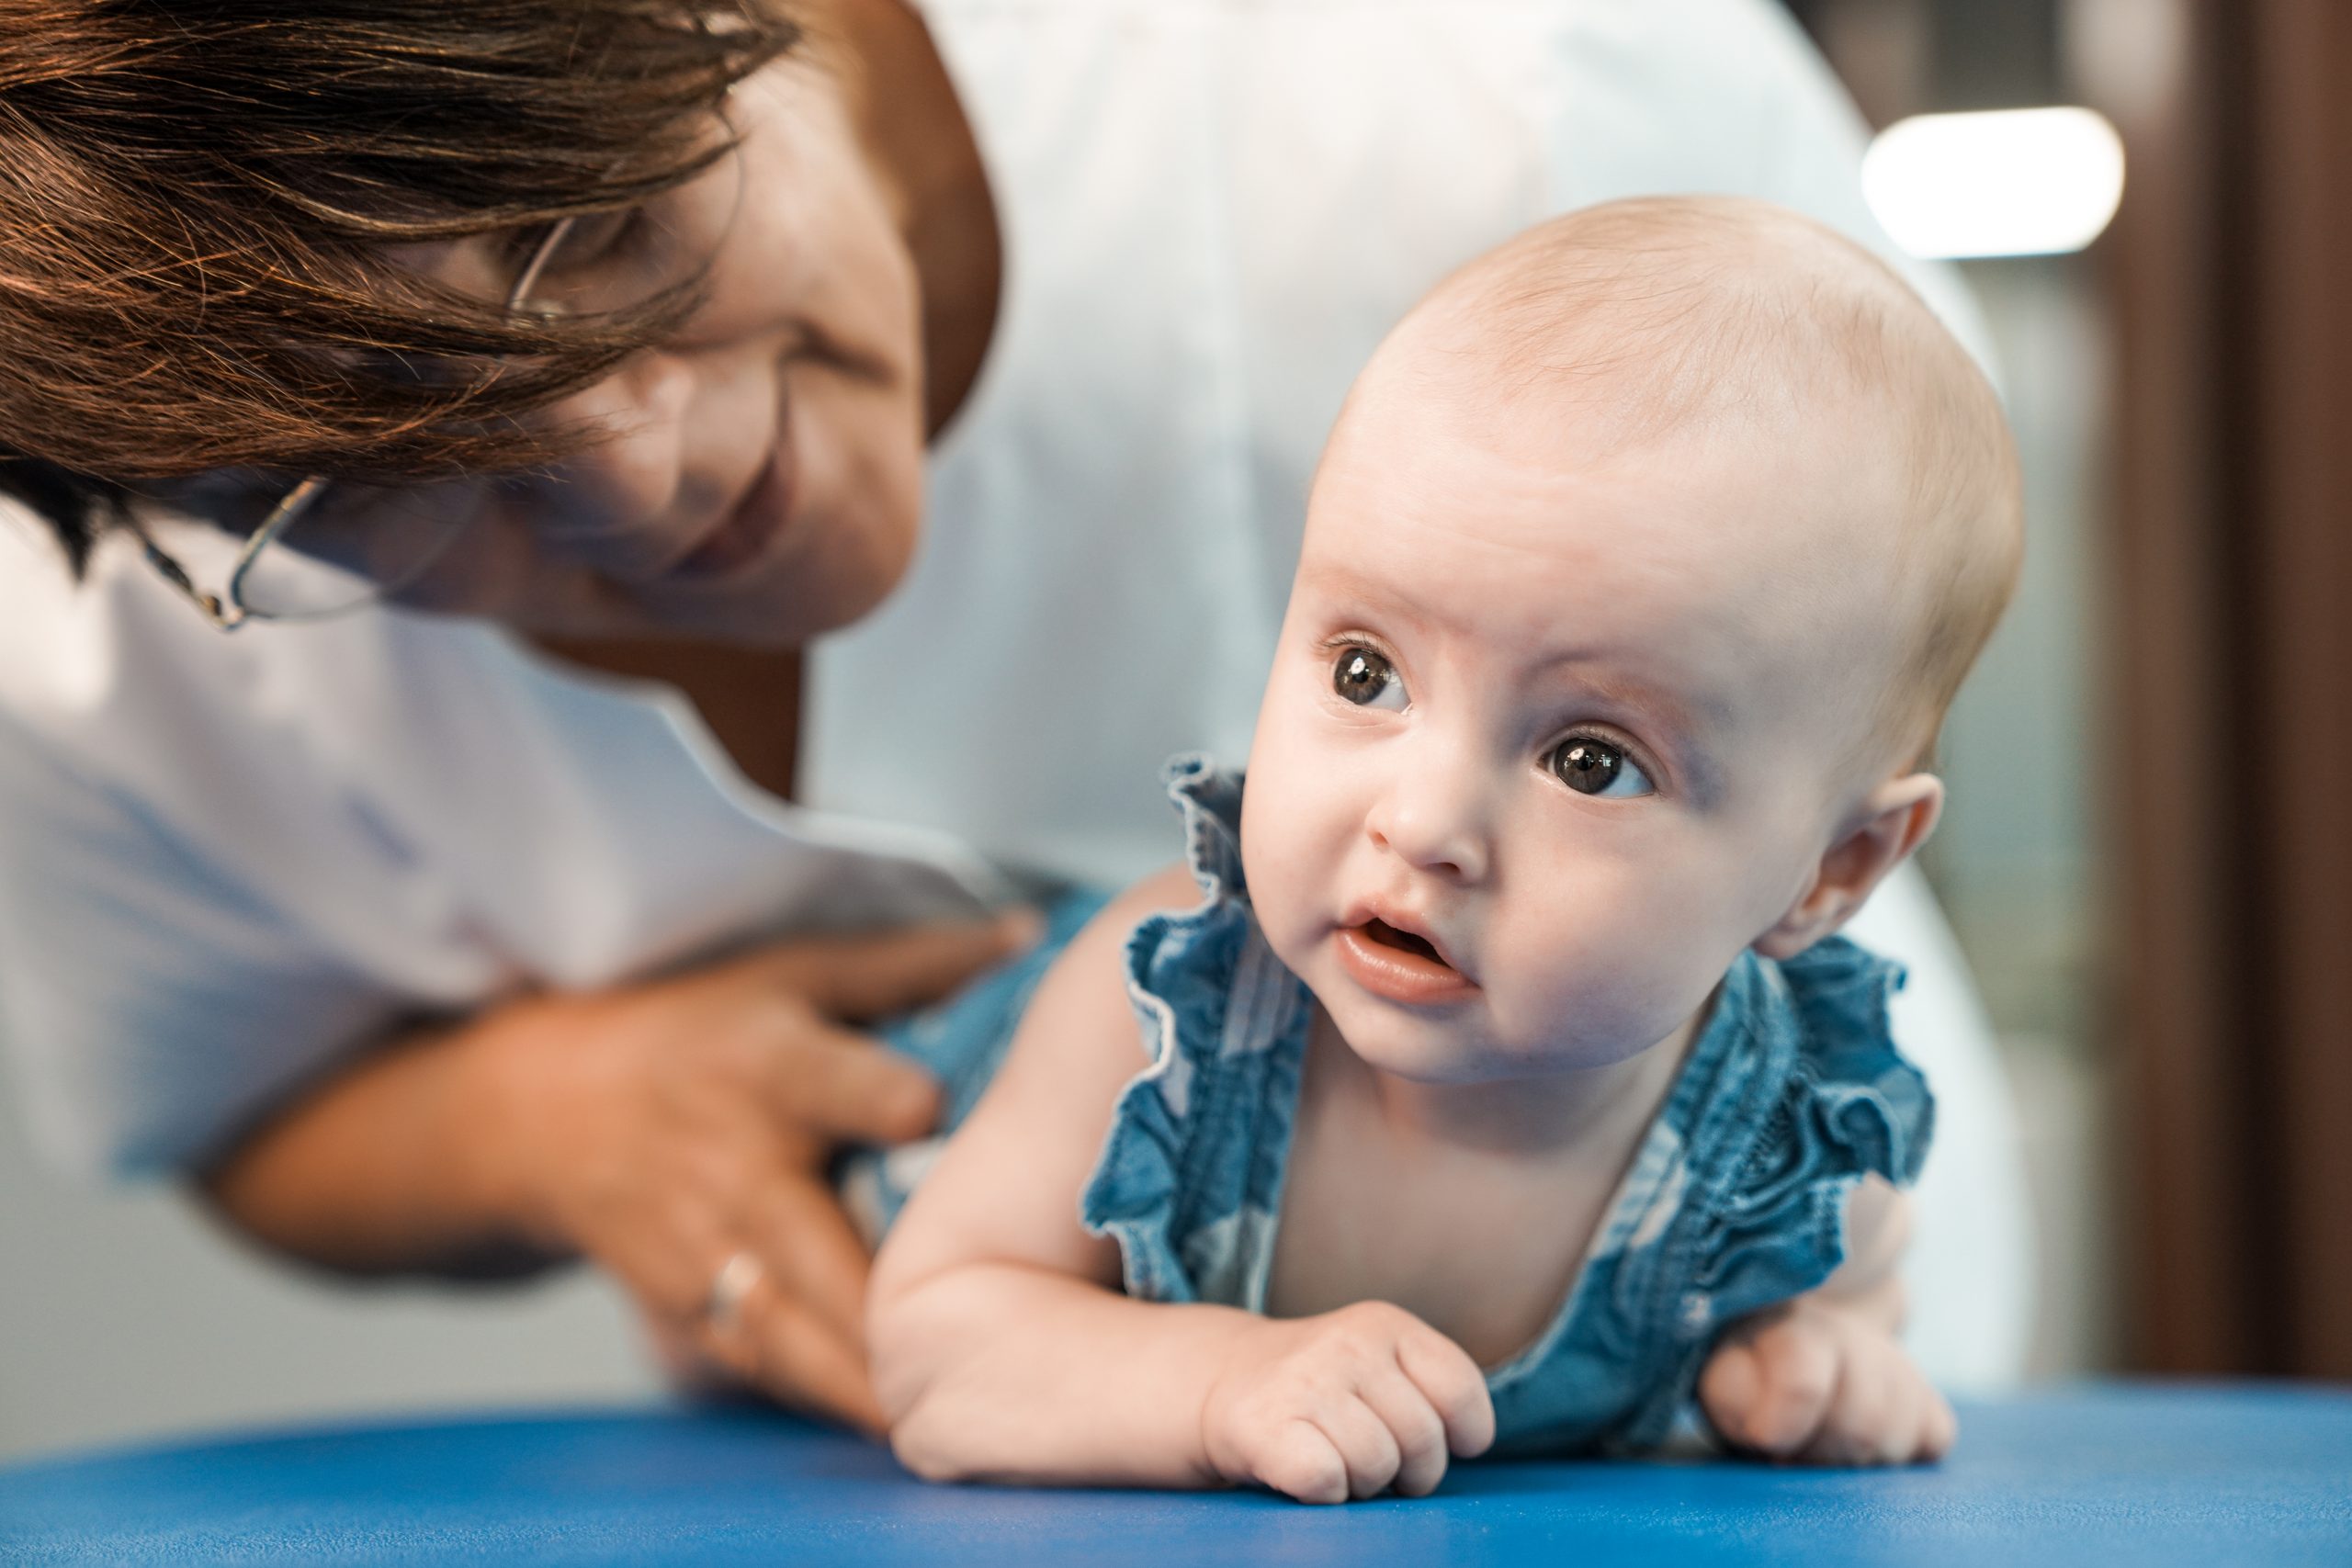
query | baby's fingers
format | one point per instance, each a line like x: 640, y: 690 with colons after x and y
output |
x: 1417, y: 1429
x: 1300, y: 1460
x: 1942, y: 1430
x: 1365, y: 1445
x: 1885, y: 1413
x: 1770, y: 1391
x: 1867, y: 1421
x: 1454, y: 1387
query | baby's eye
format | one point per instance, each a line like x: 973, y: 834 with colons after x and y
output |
x: 1592, y: 766
x: 1367, y: 680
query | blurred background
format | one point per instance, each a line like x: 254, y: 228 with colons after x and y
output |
x: 2021, y: 861
x: 2148, y: 856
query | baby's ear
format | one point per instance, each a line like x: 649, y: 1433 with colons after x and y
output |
x: 1893, y: 820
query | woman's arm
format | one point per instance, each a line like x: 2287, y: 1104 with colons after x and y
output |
x: 1002, y: 1350
x: 658, y: 1129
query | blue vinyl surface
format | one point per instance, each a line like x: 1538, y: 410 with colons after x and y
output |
x: 2141, y: 1475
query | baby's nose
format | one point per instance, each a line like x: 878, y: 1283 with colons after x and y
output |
x: 1433, y: 827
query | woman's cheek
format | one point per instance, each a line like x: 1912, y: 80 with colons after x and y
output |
x: 859, y: 510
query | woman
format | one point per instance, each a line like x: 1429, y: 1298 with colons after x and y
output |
x: 421, y: 938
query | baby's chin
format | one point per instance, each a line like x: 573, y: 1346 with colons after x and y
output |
x: 1459, y: 1047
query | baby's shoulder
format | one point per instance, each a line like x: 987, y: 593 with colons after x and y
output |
x: 1082, y: 1004
x: 1101, y: 951
x: 1169, y: 890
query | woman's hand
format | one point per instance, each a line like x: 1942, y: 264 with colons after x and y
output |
x: 658, y: 1129
x: 664, y: 1130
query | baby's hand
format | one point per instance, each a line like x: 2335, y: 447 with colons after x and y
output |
x: 1345, y: 1404
x: 1819, y: 1384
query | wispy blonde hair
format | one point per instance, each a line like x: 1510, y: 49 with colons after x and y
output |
x: 1663, y: 315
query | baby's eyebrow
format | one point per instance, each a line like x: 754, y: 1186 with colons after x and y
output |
x: 1686, y: 720
x: 1631, y: 691
x: 1368, y: 596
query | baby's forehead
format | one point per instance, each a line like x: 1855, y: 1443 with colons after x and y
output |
x: 1770, y: 489
x: 1635, y: 317
x: 1707, y: 564
x: 1636, y: 365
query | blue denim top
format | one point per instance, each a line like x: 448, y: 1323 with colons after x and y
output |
x: 1735, y: 1201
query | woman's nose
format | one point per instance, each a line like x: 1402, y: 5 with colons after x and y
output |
x: 630, y: 470
x: 1434, y: 817
x: 679, y: 440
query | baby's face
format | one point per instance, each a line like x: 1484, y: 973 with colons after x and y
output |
x: 1546, y: 740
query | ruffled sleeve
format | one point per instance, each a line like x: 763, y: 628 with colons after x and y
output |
x: 1792, y: 1093
x: 1190, y: 1174
x: 1844, y: 1103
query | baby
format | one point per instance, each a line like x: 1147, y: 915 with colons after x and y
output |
x: 1503, y: 1084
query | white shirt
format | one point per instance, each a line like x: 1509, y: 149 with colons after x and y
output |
x: 231, y: 861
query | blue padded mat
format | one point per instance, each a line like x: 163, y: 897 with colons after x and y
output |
x: 2141, y: 1475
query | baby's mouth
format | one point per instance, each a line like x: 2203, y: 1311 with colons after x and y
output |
x: 1387, y: 935
x: 1401, y: 966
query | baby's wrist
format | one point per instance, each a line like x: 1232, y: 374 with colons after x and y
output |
x: 1233, y: 1357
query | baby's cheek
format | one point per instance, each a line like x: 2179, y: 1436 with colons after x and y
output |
x: 1285, y: 862
x: 1617, y: 967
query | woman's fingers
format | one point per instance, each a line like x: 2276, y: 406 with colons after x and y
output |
x: 699, y: 1122
x: 795, y: 1331
x: 668, y: 1251
x: 778, y: 1345
x: 844, y: 1087
x: 865, y: 977
x: 812, y: 1253
x: 833, y: 1082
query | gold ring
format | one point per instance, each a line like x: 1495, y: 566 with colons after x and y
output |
x: 737, y: 1279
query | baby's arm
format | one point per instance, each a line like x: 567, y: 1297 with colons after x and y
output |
x: 1825, y: 1380
x: 1003, y: 1350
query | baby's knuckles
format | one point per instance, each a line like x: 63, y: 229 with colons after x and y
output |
x: 1820, y: 1386
x: 1296, y: 1458
x: 1262, y: 1418
x: 1902, y: 1419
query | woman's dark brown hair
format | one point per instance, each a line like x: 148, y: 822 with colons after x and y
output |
x: 194, y: 196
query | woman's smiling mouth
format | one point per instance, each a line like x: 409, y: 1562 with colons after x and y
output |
x: 749, y: 528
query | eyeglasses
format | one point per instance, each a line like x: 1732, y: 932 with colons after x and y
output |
x: 305, y: 562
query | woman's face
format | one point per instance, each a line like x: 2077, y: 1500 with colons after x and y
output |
x: 756, y: 481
